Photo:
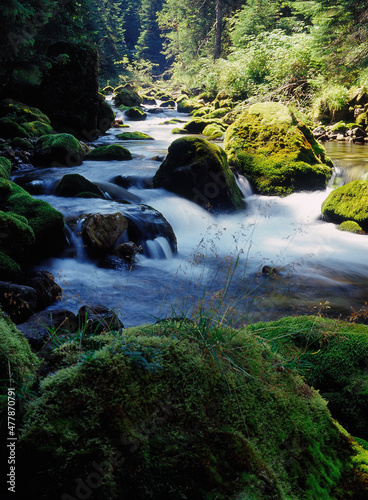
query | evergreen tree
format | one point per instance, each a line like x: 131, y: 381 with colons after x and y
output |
x: 149, y: 45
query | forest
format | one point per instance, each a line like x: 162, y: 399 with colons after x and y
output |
x: 299, y: 50
x: 183, y: 242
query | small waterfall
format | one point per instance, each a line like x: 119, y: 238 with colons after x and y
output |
x: 244, y: 185
x: 159, y: 248
x: 76, y: 243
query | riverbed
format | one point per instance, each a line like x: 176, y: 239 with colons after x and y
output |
x: 220, y: 258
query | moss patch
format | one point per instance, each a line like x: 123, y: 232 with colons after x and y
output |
x: 59, y: 148
x: 37, y: 128
x: 155, y: 410
x: 348, y: 203
x: 134, y: 136
x: 5, y: 167
x: 21, y: 112
x: 332, y: 356
x: 275, y: 151
x: 351, y: 227
x: 108, y: 153
x: 76, y: 185
x: 10, y: 128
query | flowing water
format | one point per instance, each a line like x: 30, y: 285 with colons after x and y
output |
x: 220, y: 257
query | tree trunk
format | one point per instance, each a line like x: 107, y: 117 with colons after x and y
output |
x: 219, y: 15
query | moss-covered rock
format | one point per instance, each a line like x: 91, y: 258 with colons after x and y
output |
x: 136, y: 114
x: 127, y: 96
x: 199, y: 171
x: 275, y: 151
x: 105, y: 115
x: 63, y: 149
x: 172, y: 408
x: 16, y: 359
x: 108, y: 153
x: 351, y: 227
x: 5, y: 167
x: 21, y: 112
x: 348, y: 203
x: 213, y: 131
x: 74, y: 185
x: 23, y: 144
x: 17, y: 237
x: 185, y: 105
x: 134, y: 136
x: 10, y: 270
x: 10, y: 128
x: 37, y: 128
x: 46, y: 222
x: 197, y: 125
x: 333, y: 357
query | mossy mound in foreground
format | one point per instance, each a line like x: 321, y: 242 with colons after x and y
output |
x: 348, y: 203
x: 181, y: 410
x: 59, y: 150
x: 276, y: 151
x: 333, y: 357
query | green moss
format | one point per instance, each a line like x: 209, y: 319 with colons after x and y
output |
x: 351, y: 227
x: 61, y: 148
x: 46, y: 222
x: 275, y: 151
x: 9, y: 268
x: 332, y: 356
x: 134, y: 136
x: 158, y: 413
x: 17, y: 237
x: 5, y: 167
x: 197, y: 125
x: 127, y: 97
x: 199, y: 171
x: 348, y: 203
x: 136, y: 114
x: 37, y: 128
x: 18, y: 364
x: 9, y: 129
x: 108, y: 153
x: 339, y: 127
x: 213, y: 131
x: 21, y: 112
x: 20, y: 143
x: 218, y: 113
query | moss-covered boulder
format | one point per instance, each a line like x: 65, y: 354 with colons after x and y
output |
x: 214, y: 131
x: 10, y: 269
x: 332, y: 356
x: 348, y: 203
x: 276, y: 151
x: 24, y: 144
x: 134, y: 136
x: 136, y: 114
x: 16, y: 359
x: 5, y: 168
x: 21, y: 112
x: 75, y: 185
x: 105, y: 115
x: 351, y: 227
x: 195, y: 411
x: 62, y: 149
x: 37, y: 128
x: 46, y: 222
x: 127, y: 96
x: 9, y: 128
x: 17, y: 237
x: 108, y: 153
x: 197, y: 125
x: 199, y: 171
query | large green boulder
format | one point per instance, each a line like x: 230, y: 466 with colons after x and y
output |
x: 127, y: 96
x: 46, y: 223
x: 136, y: 114
x: 59, y: 149
x: 276, y: 151
x: 108, y: 153
x: 199, y: 171
x: 348, y: 203
x: 181, y: 410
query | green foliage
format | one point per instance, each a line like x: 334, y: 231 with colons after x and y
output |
x: 5, y: 167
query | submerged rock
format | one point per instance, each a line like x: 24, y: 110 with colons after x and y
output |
x: 276, y: 151
x: 198, y: 171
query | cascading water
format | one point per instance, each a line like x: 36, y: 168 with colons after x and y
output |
x: 218, y: 255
